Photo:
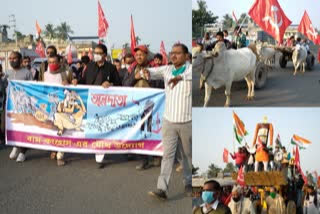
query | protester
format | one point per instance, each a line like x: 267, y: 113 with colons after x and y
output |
x: 210, y: 196
x: 240, y: 204
x: 220, y: 38
x: 299, y: 187
x: 121, y: 71
x: 100, y: 72
x: 226, y: 35
x: 239, y: 38
x: 206, y: 41
x: 240, y: 157
x: 84, y: 66
x: 133, y: 78
x: 157, y: 60
x: 275, y: 203
x: 310, y: 201
x: 278, y: 156
x: 50, y: 51
x: 18, y: 73
x: 177, y: 119
x: 128, y: 60
x: 56, y: 74
x: 3, y: 86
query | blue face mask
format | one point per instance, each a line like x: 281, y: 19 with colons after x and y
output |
x: 207, y: 197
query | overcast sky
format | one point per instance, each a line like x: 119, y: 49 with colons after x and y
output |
x: 294, y: 9
x: 154, y: 20
x: 213, y: 131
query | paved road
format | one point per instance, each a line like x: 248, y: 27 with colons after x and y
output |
x: 282, y: 89
x: 39, y: 186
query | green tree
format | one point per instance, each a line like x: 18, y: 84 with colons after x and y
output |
x: 229, y: 168
x: 195, y: 170
x: 63, y: 30
x: 19, y: 35
x: 50, y: 31
x: 242, y: 17
x: 138, y: 39
x: 213, y: 171
x: 227, y: 21
x: 200, y: 17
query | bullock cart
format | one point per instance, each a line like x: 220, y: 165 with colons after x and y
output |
x: 287, y: 56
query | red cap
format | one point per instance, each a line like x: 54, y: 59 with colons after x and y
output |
x: 142, y: 48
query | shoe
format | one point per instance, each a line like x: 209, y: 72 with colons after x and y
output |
x: 188, y: 190
x: 61, y: 162
x: 53, y: 155
x: 14, y: 153
x: 159, y: 194
x: 144, y: 165
x: 21, y: 157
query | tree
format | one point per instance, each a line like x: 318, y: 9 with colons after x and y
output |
x: 138, y: 39
x: 195, y: 170
x: 227, y: 21
x: 50, y: 31
x: 19, y: 35
x: 213, y: 171
x: 242, y: 17
x: 200, y: 17
x: 229, y: 168
x: 63, y: 30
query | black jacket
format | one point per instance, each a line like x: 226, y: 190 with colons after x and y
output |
x: 109, y: 73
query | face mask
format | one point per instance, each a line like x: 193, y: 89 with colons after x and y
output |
x: 15, y: 64
x: 53, y: 67
x: 236, y: 199
x: 273, y: 194
x: 29, y: 67
x: 97, y: 57
x: 207, y: 197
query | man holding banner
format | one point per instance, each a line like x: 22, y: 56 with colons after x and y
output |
x: 177, y: 122
x: 100, y: 72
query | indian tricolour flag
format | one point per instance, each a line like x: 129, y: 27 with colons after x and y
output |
x: 302, y: 143
x: 238, y: 127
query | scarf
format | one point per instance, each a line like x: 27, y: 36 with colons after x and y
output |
x: 179, y: 71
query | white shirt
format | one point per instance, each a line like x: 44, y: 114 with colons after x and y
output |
x: 178, y: 106
x: 214, y: 206
x: 52, y: 78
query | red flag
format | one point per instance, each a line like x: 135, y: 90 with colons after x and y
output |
x: 133, y: 37
x: 228, y: 199
x: 240, y: 178
x: 102, y: 23
x: 40, y: 49
x: 69, y: 59
x: 38, y: 29
x: 297, y: 158
x: 306, y: 28
x: 234, y: 16
x: 164, y: 54
x: 225, y: 155
x: 90, y: 55
x: 270, y: 17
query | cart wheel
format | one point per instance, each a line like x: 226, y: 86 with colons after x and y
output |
x: 310, y: 62
x: 261, y: 75
x: 282, y: 61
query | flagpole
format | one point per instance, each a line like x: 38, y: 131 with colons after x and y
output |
x: 242, y: 23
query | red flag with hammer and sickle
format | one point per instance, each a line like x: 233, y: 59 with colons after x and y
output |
x: 270, y: 17
x: 306, y: 28
x: 102, y: 23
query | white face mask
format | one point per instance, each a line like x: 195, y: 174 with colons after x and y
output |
x: 97, y: 57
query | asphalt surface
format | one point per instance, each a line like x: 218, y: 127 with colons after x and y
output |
x: 282, y: 89
x: 38, y: 185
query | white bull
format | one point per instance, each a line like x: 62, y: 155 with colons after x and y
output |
x: 223, y: 67
x: 299, y: 57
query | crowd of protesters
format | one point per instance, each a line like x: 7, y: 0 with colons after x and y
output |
x: 133, y: 70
